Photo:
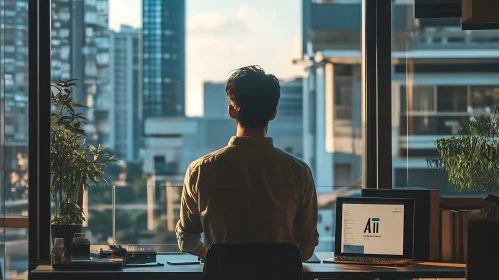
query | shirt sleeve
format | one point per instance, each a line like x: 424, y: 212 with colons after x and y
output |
x: 189, y: 227
x: 305, y: 226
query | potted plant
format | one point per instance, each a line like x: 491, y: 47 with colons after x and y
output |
x: 472, y: 162
x: 74, y: 165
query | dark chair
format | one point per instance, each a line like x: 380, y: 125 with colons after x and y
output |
x: 257, y: 261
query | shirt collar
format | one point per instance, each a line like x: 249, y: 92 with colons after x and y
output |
x: 250, y: 141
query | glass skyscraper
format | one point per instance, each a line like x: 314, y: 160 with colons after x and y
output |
x: 163, y: 58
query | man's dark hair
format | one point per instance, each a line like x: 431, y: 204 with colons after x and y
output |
x: 254, y: 95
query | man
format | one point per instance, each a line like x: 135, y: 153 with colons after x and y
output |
x: 249, y: 191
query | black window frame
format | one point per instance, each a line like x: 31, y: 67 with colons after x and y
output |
x: 39, y: 18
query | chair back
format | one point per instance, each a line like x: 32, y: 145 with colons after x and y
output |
x: 259, y: 261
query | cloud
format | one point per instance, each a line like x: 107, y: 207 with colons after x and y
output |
x: 245, y: 12
x: 211, y: 24
x: 220, y: 42
x: 205, y: 21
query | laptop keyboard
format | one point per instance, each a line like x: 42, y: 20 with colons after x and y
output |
x: 369, y: 260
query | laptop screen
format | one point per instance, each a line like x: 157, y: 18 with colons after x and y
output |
x: 372, y: 229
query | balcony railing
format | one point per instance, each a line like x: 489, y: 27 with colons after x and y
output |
x: 454, y: 37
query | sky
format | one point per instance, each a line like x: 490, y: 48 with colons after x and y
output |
x: 223, y: 35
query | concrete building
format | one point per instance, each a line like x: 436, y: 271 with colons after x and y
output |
x: 126, y: 83
x: 331, y: 93
x: 163, y: 145
x: 163, y: 58
x: 80, y: 40
x: 440, y: 75
x: 163, y: 153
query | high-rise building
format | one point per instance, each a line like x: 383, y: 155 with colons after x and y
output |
x: 163, y: 58
x: 14, y: 82
x: 215, y: 102
x: 14, y: 98
x: 126, y: 71
x: 97, y: 75
x: 80, y: 40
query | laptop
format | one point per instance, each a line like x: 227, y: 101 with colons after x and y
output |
x: 374, y: 231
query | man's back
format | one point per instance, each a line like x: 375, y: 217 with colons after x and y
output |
x: 251, y: 191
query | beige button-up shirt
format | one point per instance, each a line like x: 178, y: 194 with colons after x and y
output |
x: 248, y: 192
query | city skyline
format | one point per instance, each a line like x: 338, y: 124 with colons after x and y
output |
x: 230, y: 29
x: 438, y: 79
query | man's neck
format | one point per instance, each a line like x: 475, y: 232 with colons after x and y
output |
x: 245, y: 132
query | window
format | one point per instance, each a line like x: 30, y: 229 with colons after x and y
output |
x: 14, y: 138
x: 343, y: 98
x: 452, y: 98
x: 483, y: 98
x: 146, y: 79
x: 437, y: 83
x: 419, y: 99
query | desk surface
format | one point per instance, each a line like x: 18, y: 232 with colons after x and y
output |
x: 322, y: 270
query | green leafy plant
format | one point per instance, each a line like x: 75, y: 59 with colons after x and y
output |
x: 472, y: 158
x: 74, y: 165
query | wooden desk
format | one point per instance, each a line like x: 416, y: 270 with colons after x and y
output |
x: 194, y: 272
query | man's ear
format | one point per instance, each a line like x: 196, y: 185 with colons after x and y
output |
x: 232, y: 112
x: 273, y: 115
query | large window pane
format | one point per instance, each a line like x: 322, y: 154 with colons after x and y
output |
x: 452, y: 98
x: 417, y: 99
x: 482, y: 98
x: 153, y: 76
x: 14, y: 137
x: 442, y: 75
x: 332, y: 104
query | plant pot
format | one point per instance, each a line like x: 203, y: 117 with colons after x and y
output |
x: 483, y: 246
x: 66, y: 232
